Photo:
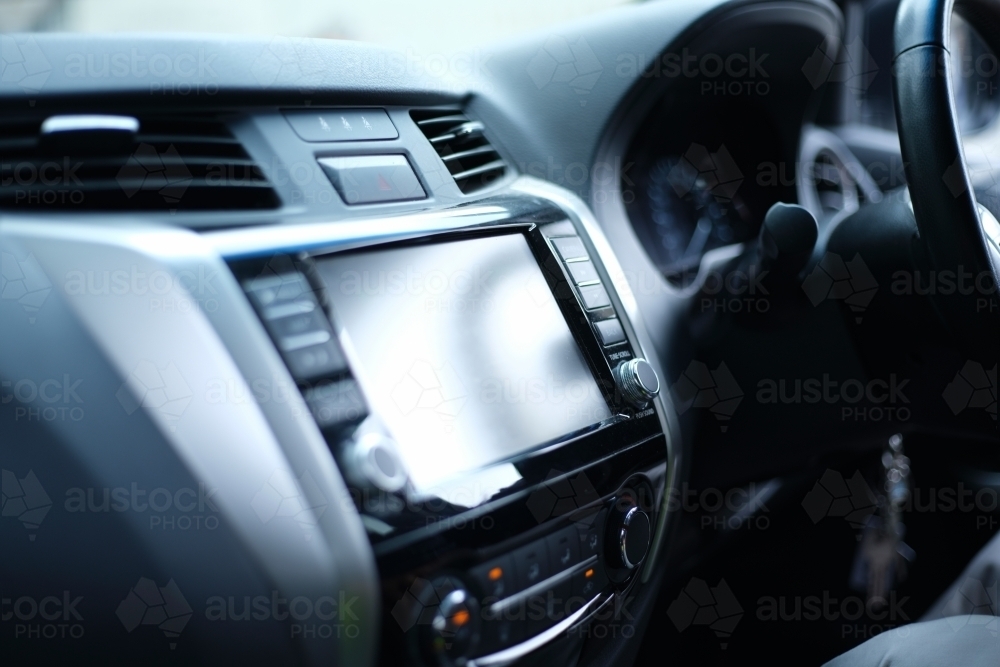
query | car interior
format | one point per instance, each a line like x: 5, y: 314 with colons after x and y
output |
x: 452, y: 334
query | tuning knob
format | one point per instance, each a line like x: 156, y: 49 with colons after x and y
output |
x: 637, y: 381
x: 372, y: 460
x: 628, y: 539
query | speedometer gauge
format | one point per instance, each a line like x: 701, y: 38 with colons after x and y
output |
x: 693, y: 208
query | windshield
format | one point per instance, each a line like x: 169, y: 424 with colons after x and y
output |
x: 425, y: 27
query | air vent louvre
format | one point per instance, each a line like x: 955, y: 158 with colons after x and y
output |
x: 177, y: 162
x: 471, y: 160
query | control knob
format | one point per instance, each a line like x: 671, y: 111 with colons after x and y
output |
x: 453, y: 632
x: 628, y: 535
x: 637, y: 381
x: 372, y: 460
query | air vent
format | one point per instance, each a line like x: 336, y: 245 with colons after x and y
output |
x: 103, y: 163
x: 472, y: 161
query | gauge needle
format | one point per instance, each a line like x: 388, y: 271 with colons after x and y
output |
x: 699, y: 238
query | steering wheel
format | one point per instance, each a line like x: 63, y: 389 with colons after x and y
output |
x: 956, y: 232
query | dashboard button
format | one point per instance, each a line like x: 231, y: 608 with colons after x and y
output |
x: 588, y: 583
x: 342, y: 124
x: 334, y: 404
x: 496, y: 578
x: 298, y: 323
x: 564, y: 549
x: 273, y: 291
x: 590, y: 539
x: 570, y: 247
x: 583, y: 272
x: 315, y: 361
x: 610, y: 331
x: 559, y: 603
x: 370, y: 179
x: 532, y: 564
x: 561, y: 228
x: 594, y: 296
x: 500, y: 631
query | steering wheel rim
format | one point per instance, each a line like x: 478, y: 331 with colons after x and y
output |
x: 956, y: 233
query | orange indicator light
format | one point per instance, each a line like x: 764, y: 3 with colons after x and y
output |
x: 589, y: 573
x: 495, y: 573
x: 460, y: 618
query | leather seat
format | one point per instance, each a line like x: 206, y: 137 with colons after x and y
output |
x: 961, y: 628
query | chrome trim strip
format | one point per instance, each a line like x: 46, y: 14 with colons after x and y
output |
x: 315, y: 236
x: 623, y: 535
x: 514, y: 653
x: 628, y: 309
x: 461, y: 155
x: 499, y: 606
x: 475, y: 171
x: 89, y: 123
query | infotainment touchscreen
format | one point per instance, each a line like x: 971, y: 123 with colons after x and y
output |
x: 462, y: 351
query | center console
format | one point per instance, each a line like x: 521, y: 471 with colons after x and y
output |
x: 482, y: 390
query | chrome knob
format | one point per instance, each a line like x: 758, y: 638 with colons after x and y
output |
x: 637, y: 381
x: 372, y: 460
x: 628, y: 541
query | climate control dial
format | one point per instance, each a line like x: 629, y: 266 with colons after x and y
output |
x: 628, y: 536
x: 453, y: 631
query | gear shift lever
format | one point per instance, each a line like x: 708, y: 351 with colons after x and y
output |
x: 766, y: 272
x: 787, y: 239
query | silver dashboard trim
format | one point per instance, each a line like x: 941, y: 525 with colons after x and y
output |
x: 243, y: 242
x: 499, y: 606
x: 625, y: 303
x: 237, y: 445
x: 335, y: 235
x: 514, y: 653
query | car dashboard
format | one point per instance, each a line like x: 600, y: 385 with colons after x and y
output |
x: 314, y: 357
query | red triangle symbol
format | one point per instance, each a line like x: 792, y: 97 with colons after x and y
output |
x: 383, y: 185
